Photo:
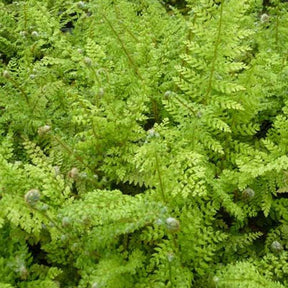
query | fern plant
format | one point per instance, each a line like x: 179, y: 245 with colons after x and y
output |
x: 143, y: 147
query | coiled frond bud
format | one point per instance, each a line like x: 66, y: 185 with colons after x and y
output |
x: 74, y: 173
x: 276, y: 247
x: 44, y: 129
x: 32, y: 197
x: 172, y: 224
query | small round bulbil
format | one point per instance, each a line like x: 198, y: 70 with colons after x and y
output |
x: 34, y: 34
x: 74, y: 173
x: 88, y: 61
x: 264, y: 18
x: 6, y: 74
x: 44, y: 129
x: 81, y: 4
x: 276, y: 246
x: 172, y: 224
x: 167, y: 94
x: 32, y: 197
x: 248, y: 193
x: 170, y: 257
x: 66, y: 221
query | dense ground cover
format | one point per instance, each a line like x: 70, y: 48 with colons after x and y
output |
x: 143, y: 144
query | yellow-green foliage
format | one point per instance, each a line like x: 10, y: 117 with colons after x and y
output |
x: 143, y: 145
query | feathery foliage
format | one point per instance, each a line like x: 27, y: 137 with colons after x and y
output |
x: 143, y: 145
